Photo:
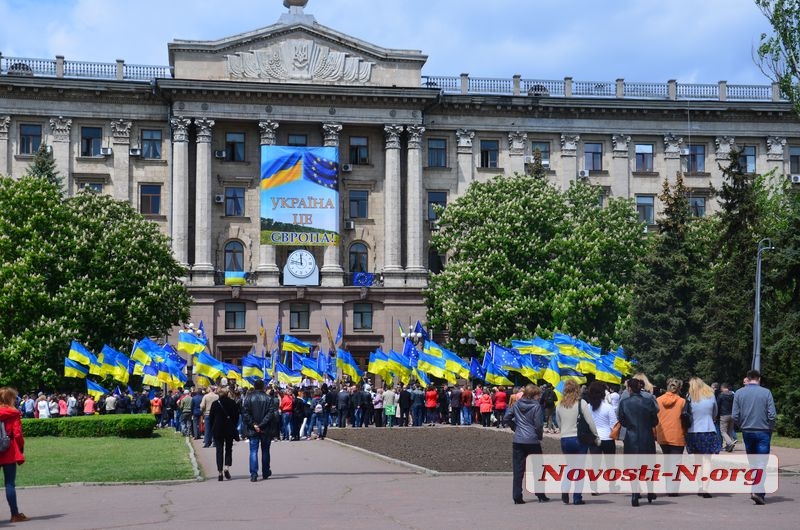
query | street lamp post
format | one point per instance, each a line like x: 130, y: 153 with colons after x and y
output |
x: 763, y: 245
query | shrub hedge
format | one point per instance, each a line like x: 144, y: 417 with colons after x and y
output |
x: 122, y: 425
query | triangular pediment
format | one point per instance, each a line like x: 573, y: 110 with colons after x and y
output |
x: 296, y: 52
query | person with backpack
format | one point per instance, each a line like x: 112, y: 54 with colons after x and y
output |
x: 12, y: 448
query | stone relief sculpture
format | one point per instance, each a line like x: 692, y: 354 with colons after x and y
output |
x: 672, y: 146
x: 299, y: 59
x: 775, y: 147
x: 724, y: 145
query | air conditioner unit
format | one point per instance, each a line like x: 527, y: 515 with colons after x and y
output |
x: 134, y: 152
x: 530, y: 160
x: 349, y: 224
x: 795, y: 179
x: 106, y: 151
x: 583, y: 174
x: 219, y: 199
x: 347, y: 168
x: 546, y: 163
x: 433, y: 224
x: 685, y: 151
x: 220, y: 153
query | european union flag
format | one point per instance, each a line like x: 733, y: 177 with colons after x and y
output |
x: 320, y: 170
x: 505, y: 358
x: 476, y: 371
x: 363, y: 279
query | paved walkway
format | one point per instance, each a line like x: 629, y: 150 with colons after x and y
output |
x: 321, y: 484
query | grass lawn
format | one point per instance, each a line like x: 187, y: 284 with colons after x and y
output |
x: 50, y: 460
x: 782, y: 441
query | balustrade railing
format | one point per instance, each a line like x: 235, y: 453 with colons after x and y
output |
x: 58, y: 67
x: 90, y: 70
x: 646, y: 90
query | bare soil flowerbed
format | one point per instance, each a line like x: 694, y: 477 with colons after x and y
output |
x: 441, y: 448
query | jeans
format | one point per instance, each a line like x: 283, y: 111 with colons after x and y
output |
x: 286, y: 425
x: 10, y: 474
x: 318, y: 422
x: 196, y: 425
x: 207, y: 438
x: 176, y: 417
x: 571, y: 446
x: 186, y: 424
x: 756, y: 443
x: 359, y: 417
x: 455, y: 415
x: 263, y: 439
x: 416, y: 415
x: 466, y: 415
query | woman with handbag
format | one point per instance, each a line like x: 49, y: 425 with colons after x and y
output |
x: 702, y: 437
x: 224, y: 419
x: 14, y: 455
x: 526, y: 420
x: 578, y: 430
x: 638, y: 414
x: 605, y: 418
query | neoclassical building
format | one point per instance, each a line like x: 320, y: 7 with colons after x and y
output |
x: 182, y: 143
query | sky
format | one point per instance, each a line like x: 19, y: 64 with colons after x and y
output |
x: 692, y: 41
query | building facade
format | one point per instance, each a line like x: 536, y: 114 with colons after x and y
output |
x: 183, y: 143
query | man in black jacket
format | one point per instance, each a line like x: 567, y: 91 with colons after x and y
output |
x: 404, y: 400
x: 259, y: 415
x: 343, y: 404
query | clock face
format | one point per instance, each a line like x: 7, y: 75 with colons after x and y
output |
x: 301, y: 263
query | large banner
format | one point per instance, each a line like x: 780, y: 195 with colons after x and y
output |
x: 299, y: 195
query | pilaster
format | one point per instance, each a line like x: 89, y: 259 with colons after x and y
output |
x: 203, y: 269
x: 416, y: 273
x: 392, y: 268
x: 466, y: 167
x: 332, y: 274
x: 620, y: 163
x: 569, y: 159
x: 268, y: 271
x: 121, y: 141
x: 516, y: 150
x: 5, y: 167
x: 180, y: 189
x: 776, y: 153
x: 61, y: 128
x: 672, y: 155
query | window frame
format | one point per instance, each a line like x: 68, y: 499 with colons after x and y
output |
x: 358, y: 258
x: 437, y: 155
x: 233, y: 256
x: 299, y: 313
x: 297, y: 140
x: 358, y: 153
x: 363, y: 313
x: 644, y: 160
x: 235, y: 146
x: 149, y: 145
x: 693, y: 207
x: 490, y: 154
x: 91, y: 145
x: 29, y: 144
x: 143, y: 195
x: 794, y: 159
x: 235, y: 316
x: 746, y: 158
x: 647, y: 219
x: 231, y: 200
x: 696, y: 158
x: 431, y: 201
x: 361, y: 203
x: 593, y: 160
x: 544, y: 152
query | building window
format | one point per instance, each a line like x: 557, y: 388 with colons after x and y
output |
x: 696, y: 159
x: 362, y: 316
x: 490, y: 151
x: 150, y: 199
x: 437, y: 152
x: 234, y: 147
x: 234, y: 202
x: 297, y: 140
x: 434, y: 198
x: 30, y: 138
x: 644, y: 157
x: 645, y: 206
x: 359, y: 257
x: 697, y: 205
x: 91, y: 141
x: 794, y: 160
x: 359, y: 204
x: 234, y: 315
x: 544, y: 150
x: 747, y: 159
x: 94, y: 187
x: 435, y: 261
x: 298, y: 316
x: 234, y: 256
x: 593, y: 156
x: 359, y: 150
x: 151, y: 143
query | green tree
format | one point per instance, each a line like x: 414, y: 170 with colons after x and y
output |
x: 44, y: 166
x: 525, y: 257
x: 671, y: 287
x: 87, y: 268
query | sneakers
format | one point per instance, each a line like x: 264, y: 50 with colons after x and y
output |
x: 253, y: 478
x: 758, y: 499
x: 266, y: 475
x: 21, y: 518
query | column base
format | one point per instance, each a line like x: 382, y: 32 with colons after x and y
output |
x: 332, y: 277
x: 394, y: 278
x: 416, y: 277
x: 202, y: 276
x: 268, y: 277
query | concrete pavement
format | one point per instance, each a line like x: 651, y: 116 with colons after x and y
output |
x: 321, y: 484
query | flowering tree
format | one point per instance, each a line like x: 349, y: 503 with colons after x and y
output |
x: 524, y: 257
x: 87, y: 268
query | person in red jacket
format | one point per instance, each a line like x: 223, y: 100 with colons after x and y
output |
x: 484, y: 404
x: 14, y: 455
x: 431, y: 401
x: 500, y: 406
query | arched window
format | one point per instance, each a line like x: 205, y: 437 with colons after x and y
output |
x: 359, y: 257
x: 234, y: 256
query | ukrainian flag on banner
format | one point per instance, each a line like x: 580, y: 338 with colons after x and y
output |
x: 235, y: 278
x: 74, y: 369
x: 95, y: 390
x: 285, y: 165
x: 348, y: 365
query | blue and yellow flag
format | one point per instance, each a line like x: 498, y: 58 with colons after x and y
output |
x: 338, y: 336
x: 252, y: 366
x: 146, y: 350
x: 497, y: 376
x: 74, y: 369
x: 205, y: 364
x: 433, y: 365
x: 95, y: 390
x: 190, y: 343
x: 295, y: 345
x: 552, y: 372
x: 378, y: 363
x: 235, y: 278
x: 536, y: 346
x: 150, y: 375
x: 284, y: 166
x: 398, y: 365
x: 284, y: 375
x: 476, y: 371
x: 114, y: 363
x: 79, y: 353
x: 348, y: 365
x: 262, y: 332
x: 504, y: 358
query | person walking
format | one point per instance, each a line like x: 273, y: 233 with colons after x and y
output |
x: 526, y: 420
x: 259, y: 411
x: 205, y: 409
x: 223, y: 420
x: 14, y: 455
x: 567, y: 412
x: 485, y: 407
x: 725, y: 409
x: 701, y: 437
x: 670, y: 430
x: 638, y: 414
x: 754, y: 413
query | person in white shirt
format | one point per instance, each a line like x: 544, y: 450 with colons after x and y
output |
x: 43, y: 406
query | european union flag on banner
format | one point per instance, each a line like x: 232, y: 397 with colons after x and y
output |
x: 421, y: 330
x: 476, y: 371
x: 505, y: 358
x: 363, y: 279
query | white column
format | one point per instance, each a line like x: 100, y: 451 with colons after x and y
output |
x: 203, y: 269
x: 268, y: 271
x: 332, y: 272
x: 121, y: 142
x: 620, y: 164
x: 60, y: 128
x: 5, y: 168
x: 569, y: 159
x: 180, y: 190
x: 516, y: 152
x: 392, y: 268
x: 466, y: 166
x: 672, y: 156
x: 416, y: 274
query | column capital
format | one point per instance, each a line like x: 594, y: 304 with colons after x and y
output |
x: 569, y: 144
x: 516, y: 143
x: 619, y: 145
x: 268, y: 128
x: 60, y: 127
x: 464, y: 141
x: 121, y: 131
x: 415, y: 136
x: 775, y: 148
x: 724, y: 144
x: 204, y: 126
x: 180, y: 127
x: 330, y: 134
x: 4, y: 122
x: 672, y: 146
x: 393, y: 133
